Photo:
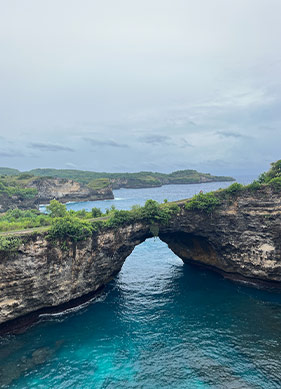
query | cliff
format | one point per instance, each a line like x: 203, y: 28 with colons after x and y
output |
x: 134, y: 180
x: 240, y: 239
x: 67, y: 190
x: 30, y: 192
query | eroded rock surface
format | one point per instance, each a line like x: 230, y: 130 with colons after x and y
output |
x: 67, y: 190
x: 240, y: 238
x: 48, y: 189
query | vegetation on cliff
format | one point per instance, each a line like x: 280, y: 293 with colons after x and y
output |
x: 208, y: 202
x: 9, y: 243
x: 17, y: 219
x: 151, y: 212
x: 77, y: 226
x: 70, y: 227
x: 99, y: 183
x: 273, y: 176
x: 16, y: 186
x: 203, y: 202
x: 26, y: 191
x: 133, y: 180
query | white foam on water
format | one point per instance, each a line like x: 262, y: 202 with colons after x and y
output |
x: 48, y: 316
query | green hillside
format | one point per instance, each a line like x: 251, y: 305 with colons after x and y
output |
x: 7, y: 171
x: 133, y: 180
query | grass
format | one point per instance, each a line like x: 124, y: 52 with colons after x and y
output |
x: 18, y: 222
x: 79, y: 224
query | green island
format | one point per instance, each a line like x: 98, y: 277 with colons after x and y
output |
x: 26, y: 190
x: 123, y: 180
x: 79, y: 225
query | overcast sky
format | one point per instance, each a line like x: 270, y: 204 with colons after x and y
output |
x: 129, y: 85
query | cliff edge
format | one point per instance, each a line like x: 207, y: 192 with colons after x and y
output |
x: 240, y: 238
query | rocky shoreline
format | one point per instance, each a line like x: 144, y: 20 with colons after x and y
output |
x: 240, y: 239
x: 47, y: 189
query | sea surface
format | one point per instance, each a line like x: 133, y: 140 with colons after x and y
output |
x: 159, y: 324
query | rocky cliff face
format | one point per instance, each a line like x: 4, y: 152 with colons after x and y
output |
x: 53, y: 188
x: 40, y: 275
x: 241, y: 239
x: 10, y: 202
x: 67, y: 190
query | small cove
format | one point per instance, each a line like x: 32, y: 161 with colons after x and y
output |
x: 158, y: 324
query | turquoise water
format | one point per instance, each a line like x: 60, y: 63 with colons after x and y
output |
x: 159, y: 324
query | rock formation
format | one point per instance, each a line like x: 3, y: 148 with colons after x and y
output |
x: 240, y: 239
x: 47, y: 189
x: 67, y: 190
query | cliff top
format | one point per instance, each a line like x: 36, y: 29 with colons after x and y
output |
x: 61, y: 222
x: 133, y: 180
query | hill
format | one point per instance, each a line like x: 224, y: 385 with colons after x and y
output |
x: 133, y: 180
x: 26, y: 191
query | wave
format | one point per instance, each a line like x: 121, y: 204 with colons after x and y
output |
x: 77, y: 308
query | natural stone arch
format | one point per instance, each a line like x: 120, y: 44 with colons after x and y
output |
x: 240, y: 239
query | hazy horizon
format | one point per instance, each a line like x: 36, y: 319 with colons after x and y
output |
x: 132, y: 86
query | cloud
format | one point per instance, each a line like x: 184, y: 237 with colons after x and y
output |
x: 49, y: 147
x: 231, y: 134
x: 156, y: 139
x: 163, y: 140
x: 239, y: 98
x: 104, y: 143
x: 184, y: 143
x: 71, y: 165
x: 11, y: 154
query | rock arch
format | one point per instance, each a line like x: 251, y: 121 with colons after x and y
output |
x: 241, y: 240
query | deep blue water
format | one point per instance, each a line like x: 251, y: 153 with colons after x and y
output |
x: 159, y: 324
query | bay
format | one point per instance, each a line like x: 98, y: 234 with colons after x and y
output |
x: 158, y: 324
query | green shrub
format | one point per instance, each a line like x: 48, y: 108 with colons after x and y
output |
x: 82, y: 213
x: 275, y: 183
x: 97, y: 225
x: 24, y: 176
x: 234, y: 188
x: 23, y: 193
x: 96, y: 212
x: 154, y: 212
x: 99, y: 183
x: 255, y: 185
x: 9, y: 243
x: 206, y: 202
x: 56, y: 209
x: 274, y: 172
x: 70, y: 227
x: 151, y: 212
x: 118, y: 218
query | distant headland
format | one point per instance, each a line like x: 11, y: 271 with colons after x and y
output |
x: 29, y: 189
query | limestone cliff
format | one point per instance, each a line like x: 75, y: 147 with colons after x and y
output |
x: 45, y: 189
x: 241, y: 239
x: 67, y: 190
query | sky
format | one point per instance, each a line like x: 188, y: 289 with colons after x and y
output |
x: 134, y: 85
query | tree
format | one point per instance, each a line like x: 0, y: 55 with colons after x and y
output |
x: 56, y: 209
x: 96, y: 212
